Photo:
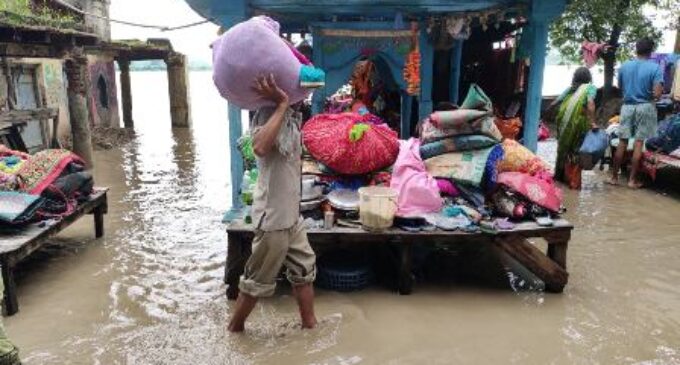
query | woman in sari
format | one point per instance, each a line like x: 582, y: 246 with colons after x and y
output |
x: 575, y: 117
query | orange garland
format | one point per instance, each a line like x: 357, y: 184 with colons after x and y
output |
x: 412, y: 65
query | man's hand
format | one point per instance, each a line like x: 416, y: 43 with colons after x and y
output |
x: 267, y: 89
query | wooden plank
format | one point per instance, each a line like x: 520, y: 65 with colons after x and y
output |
x: 23, y: 242
x: 525, y: 229
x: 553, y: 275
x: 21, y: 116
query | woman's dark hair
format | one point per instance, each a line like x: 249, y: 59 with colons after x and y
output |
x: 581, y: 76
x: 644, y: 47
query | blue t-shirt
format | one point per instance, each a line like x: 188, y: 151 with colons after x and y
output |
x: 637, y: 79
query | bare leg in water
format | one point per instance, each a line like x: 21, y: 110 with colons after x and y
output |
x: 304, y: 294
x: 633, y: 182
x: 618, y: 160
x: 244, y: 306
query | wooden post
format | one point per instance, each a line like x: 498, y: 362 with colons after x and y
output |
x: 454, y: 82
x: 552, y: 273
x: 676, y: 49
x: 10, y: 294
x: 126, y: 92
x: 76, y: 73
x: 178, y: 85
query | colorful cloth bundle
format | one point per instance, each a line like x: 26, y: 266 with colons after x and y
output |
x: 43, y: 168
x: 465, y: 167
x: 347, y: 145
x: 536, y: 190
x: 517, y: 158
x: 16, y: 207
x: 455, y: 144
x: 459, y: 119
x: 474, y: 117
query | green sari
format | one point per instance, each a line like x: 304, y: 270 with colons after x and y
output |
x: 572, y: 125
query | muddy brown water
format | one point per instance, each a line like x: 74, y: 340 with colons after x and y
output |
x: 151, y: 291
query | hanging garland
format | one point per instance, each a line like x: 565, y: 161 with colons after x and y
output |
x: 412, y: 65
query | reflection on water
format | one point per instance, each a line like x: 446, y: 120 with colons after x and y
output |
x: 151, y: 291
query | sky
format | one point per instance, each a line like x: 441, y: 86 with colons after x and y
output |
x: 194, y: 41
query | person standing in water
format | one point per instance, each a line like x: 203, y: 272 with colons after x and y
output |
x: 280, y: 236
x: 575, y: 117
x: 641, y: 82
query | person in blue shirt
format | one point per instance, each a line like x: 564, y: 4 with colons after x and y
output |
x: 641, y: 82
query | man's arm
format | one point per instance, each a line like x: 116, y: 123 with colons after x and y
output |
x: 658, y: 90
x: 265, y: 139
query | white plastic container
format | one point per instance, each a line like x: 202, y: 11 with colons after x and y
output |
x: 377, y: 207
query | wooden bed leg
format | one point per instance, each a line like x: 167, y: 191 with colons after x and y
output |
x: 238, y: 251
x: 10, y: 297
x: 99, y: 221
x: 557, y: 251
x: 550, y: 272
x: 405, y: 266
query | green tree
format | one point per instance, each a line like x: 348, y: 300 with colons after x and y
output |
x: 618, y: 23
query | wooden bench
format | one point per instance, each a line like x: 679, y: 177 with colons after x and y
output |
x: 550, y: 267
x: 17, y: 245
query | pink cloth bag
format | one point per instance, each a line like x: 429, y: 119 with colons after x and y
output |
x: 535, y: 189
x: 418, y: 191
x: 251, y: 49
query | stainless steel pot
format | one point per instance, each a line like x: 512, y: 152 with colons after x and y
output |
x: 312, y: 189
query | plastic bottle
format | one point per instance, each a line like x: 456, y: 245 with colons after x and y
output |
x: 246, y: 189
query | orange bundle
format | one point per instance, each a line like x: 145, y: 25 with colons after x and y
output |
x: 509, y: 127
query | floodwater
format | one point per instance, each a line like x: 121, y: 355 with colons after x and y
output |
x: 151, y: 291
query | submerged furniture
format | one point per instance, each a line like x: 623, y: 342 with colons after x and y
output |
x: 550, y: 267
x: 18, y: 244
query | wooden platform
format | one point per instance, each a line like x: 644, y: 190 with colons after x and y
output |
x: 549, y: 267
x: 16, y: 246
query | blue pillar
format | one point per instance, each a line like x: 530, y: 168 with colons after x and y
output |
x: 454, y: 82
x: 319, y: 96
x: 426, y: 74
x: 532, y: 114
x: 235, y: 132
x: 236, y: 14
x: 542, y: 14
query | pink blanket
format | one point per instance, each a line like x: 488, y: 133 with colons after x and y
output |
x: 418, y: 191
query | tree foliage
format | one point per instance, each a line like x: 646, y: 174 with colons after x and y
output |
x: 599, y: 20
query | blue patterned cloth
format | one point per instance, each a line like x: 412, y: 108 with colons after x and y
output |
x: 16, y: 207
x: 491, y: 168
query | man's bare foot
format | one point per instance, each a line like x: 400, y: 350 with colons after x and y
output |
x: 634, y: 184
x: 613, y: 181
x: 309, y: 323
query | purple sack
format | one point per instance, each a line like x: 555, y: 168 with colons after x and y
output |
x: 251, y: 49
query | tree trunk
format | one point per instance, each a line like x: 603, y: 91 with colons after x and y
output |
x: 677, y: 38
x: 610, y: 56
x: 609, y: 62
